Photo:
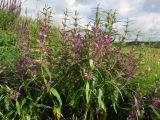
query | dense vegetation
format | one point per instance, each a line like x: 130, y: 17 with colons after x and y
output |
x: 74, y: 73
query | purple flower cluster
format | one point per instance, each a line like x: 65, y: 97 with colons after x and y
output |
x: 42, y: 88
x: 45, y: 27
x: 95, y: 28
x: 29, y: 64
x: 100, y: 48
x: 30, y: 60
x: 26, y: 68
x: 96, y: 64
x: 65, y: 36
x: 104, y: 40
x: 128, y: 65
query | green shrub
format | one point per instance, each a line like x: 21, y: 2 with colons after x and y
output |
x: 7, y: 19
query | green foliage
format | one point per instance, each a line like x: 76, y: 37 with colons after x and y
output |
x: 155, y: 111
x: 7, y: 19
x: 8, y: 56
x: 8, y: 38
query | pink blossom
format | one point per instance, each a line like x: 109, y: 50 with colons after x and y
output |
x: 96, y: 46
x: 108, y: 40
x: 100, y: 39
x: 103, y: 48
x: 15, y: 95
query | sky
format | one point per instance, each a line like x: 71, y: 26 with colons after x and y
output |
x: 144, y: 14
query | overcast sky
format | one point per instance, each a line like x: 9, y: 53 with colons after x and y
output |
x: 144, y: 13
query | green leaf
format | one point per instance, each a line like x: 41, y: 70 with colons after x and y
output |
x: 1, y: 71
x: 7, y: 102
x: 56, y: 94
x: 114, y: 99
x: 100, y: 101
x: 91, y: 64
x: 1, y: 97
x: 23, y: 102
x: 47, y: 70
x: 57, y: 111
x: 18, y: 107
x: 28, y: 117
x: 1, y: 114
x: 87, y: 92
x: 73, y: 99
x: 7, y: 88
x: 137, y: 106
x: 8, y: 115
x: 155, y: 111
x: 43, y: 106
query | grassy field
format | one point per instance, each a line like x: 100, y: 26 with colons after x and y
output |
x: 151, y: 67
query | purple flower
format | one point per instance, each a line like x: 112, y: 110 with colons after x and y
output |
x: 42, y: 36
x: 96, y: 64
x: 49, y: 81
x: 108, y: 40
x: 19, y: 71
x: 74, y: 30
x: 86, y: 74
x: 132, y: 115
x: 30, y: 61
x: 133, y: 75
x: 129, y: 73
x: 96, y: 46
x: 45, y: 28
x: 91, y: 34
x: 103, y: 48
x: 100, y: 39
x: 117, y: 51
x: 95, y: 28
x: 78, y: 35
x: 42, y: 88
x: 76, y: 41
x: 89, y: 75
x: 65, y: 34
x: 15, y: 95
x: 65, y: 38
